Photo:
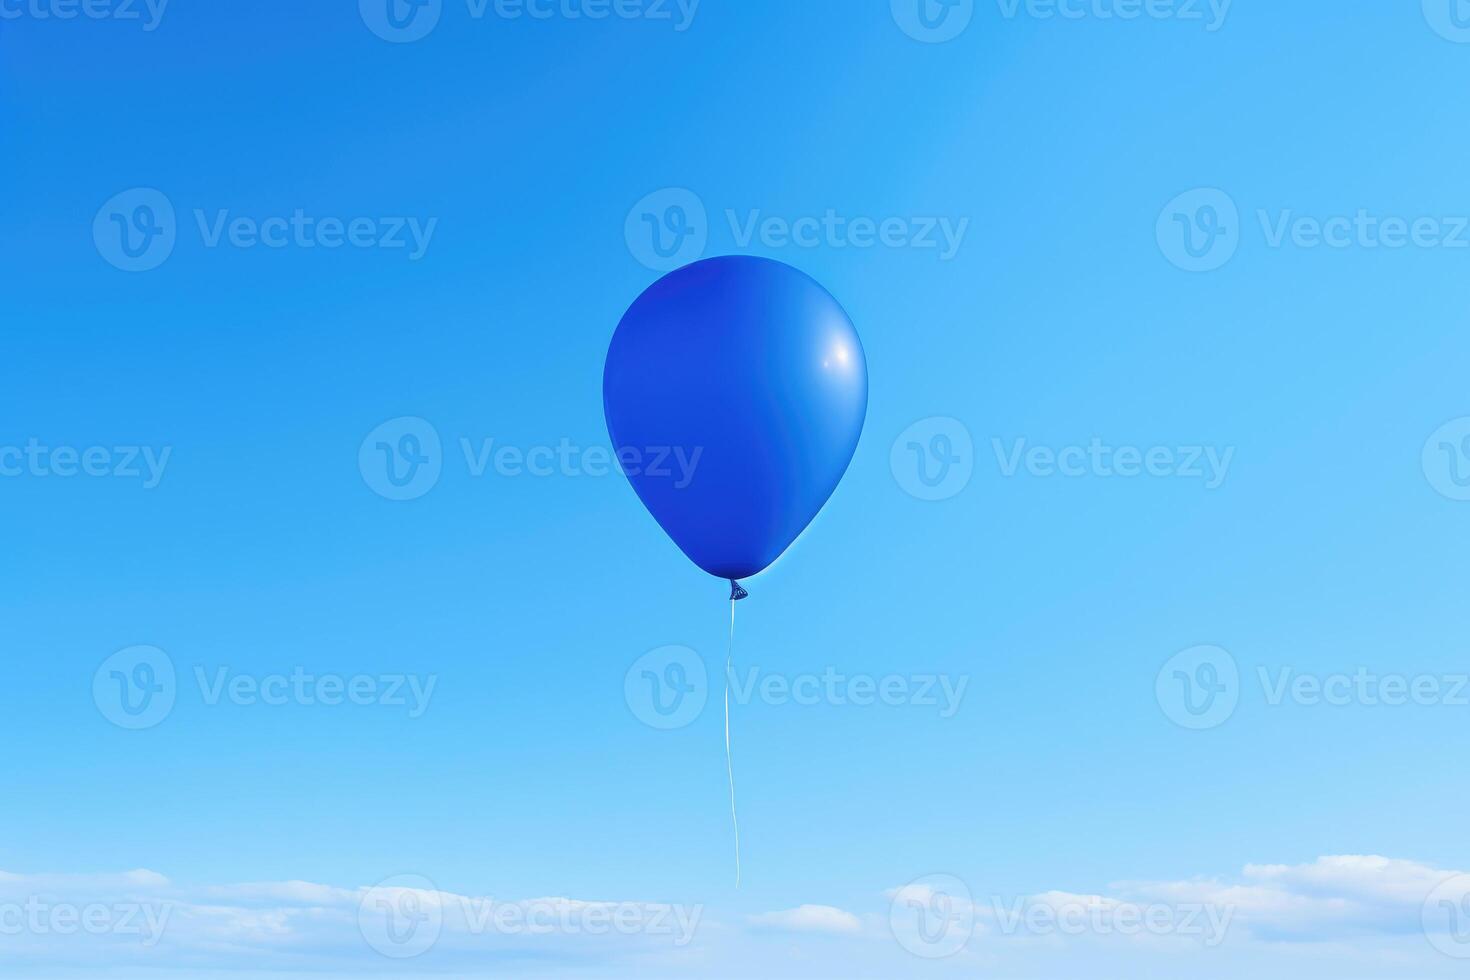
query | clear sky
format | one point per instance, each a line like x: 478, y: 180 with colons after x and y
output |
x: 1222, y: 248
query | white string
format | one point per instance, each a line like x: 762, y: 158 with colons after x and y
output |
x: 729, y: 763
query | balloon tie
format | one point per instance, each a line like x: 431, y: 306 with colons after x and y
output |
x: 729, y: 759
x: 737, y: 592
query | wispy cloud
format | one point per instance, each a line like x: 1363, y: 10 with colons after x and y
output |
x: 140, y: 920
x: 1329, y: 899
x: 810, y: 918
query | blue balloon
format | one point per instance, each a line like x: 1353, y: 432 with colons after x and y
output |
x: 735, y: 391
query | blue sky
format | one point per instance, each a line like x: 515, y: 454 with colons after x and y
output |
x: 340, y: 233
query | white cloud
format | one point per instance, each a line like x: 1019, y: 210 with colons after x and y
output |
x: 143, y: 919
x: 810, y: 918
x: 25, y: 884
x: 1333, y: 907
x: 1368, y: 877
x: 281, y: 892
x: 1332, y: 898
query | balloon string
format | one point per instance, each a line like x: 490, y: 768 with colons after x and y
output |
x: 729, y: 762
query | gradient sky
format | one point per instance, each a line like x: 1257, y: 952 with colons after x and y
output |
x: 1064, y: 156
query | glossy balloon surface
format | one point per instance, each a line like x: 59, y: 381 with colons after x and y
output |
x: 735, y: 391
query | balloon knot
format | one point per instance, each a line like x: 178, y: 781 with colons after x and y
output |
x: 736, y: 592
